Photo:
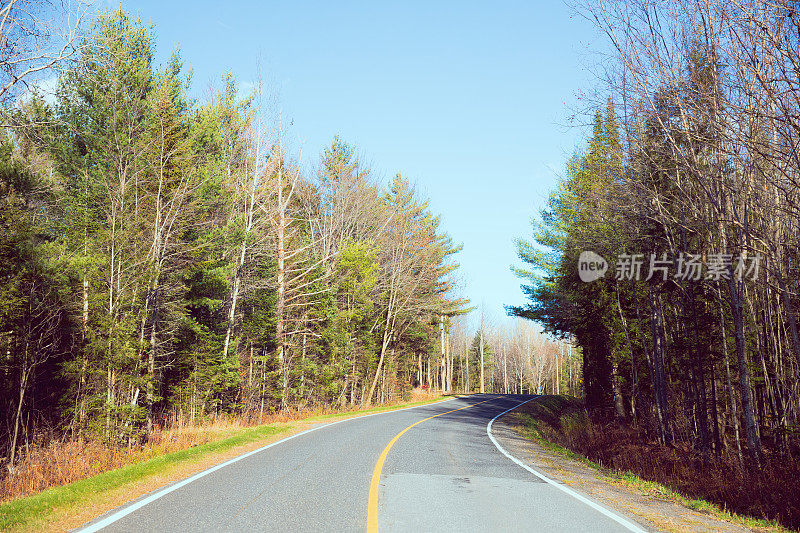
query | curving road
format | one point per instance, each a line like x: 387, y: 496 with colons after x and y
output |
x: 428, y: 468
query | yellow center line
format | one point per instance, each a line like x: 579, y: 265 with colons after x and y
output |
x: 372, y: 505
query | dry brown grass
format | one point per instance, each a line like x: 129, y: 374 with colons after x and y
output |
x: 772, y: 494
x: 50, y: 462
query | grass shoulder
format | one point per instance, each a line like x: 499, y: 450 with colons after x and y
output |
x: 68, y: 506
x: 558, y: 423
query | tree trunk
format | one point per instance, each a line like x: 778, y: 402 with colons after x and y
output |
x: 659, y: 382
x: 634, y: 362
x: 751, y: 431
x: 481, y: 347
x: 23, y: 379
x: 237, y: 278
x: 789, y: 314
x: 505, y: 371
x: 281, y: 300
x: 466, y: 366
x: 387, y: 335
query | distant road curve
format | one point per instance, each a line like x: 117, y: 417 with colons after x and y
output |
x: 435, y: 467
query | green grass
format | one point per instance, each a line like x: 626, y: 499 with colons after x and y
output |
x: 658, y: 490
x: 34, y: 512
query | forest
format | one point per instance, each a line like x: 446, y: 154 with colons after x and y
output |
x: 168, y: 261
x: 687, y: 185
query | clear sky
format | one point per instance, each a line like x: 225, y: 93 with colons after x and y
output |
x: 468, y: 99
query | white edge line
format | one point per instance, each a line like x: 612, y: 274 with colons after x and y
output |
x: 610, y: 514
x: 97, y: 526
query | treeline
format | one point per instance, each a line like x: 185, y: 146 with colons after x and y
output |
x: 507, y: 359
x: 164, y: 259
x: 689, y: 188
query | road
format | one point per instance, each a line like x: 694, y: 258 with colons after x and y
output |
x: 429, y: 468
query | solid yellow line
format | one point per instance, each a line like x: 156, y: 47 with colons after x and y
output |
x: 372, y: 505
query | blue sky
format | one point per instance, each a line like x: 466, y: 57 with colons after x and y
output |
x: 470, y: 100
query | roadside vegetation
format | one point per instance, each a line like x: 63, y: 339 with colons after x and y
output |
x: 173, y: 269
x: 82, y: 473
x: 686, y: 190
x: 170, y: 266
x: 625, y: 455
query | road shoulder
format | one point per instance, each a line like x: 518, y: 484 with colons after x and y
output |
x: 650, y: 511
x: 69, y: 506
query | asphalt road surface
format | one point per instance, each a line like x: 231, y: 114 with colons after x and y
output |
x: 444, y: 473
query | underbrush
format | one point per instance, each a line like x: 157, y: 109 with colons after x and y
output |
x: 48, y: 461
x: 771, y: 494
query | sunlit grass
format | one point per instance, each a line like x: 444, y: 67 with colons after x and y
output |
x: 125, y: 468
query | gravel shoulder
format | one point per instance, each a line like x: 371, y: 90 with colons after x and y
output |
x: 653, y: 511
